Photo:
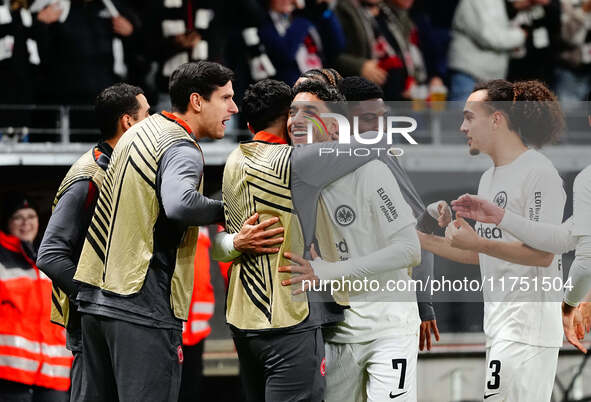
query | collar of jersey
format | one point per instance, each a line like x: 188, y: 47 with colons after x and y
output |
x: 268, y: 137
x: 178, y: 121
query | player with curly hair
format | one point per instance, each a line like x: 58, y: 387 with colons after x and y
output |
x: 522, y: 326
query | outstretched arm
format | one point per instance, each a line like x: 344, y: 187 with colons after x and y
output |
x: 440, y: 246
x: 402, y: 253
x: 544, y: 236
x: 461, y: 235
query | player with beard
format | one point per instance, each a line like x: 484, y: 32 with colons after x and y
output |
x: 523, y: 329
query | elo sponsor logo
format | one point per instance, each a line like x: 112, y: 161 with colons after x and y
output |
x: 387, y: 208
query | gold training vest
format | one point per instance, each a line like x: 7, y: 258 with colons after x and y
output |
x: 85, y: 168
x: 120, y: 240
x: 257, y: 179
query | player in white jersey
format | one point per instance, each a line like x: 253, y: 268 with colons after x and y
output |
x: 522, y: 326
x: 575, y: 232
x: 372, y: 354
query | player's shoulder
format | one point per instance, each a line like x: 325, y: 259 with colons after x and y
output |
x: 535, y: 159
x: 375, y: 166
x: 583, y: 179
x: 486, y: 175
x: 539, y: 164
x: 85, y: 166
x: 374, y: 173
x: 234, y: 154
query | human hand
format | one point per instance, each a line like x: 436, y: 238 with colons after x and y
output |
x: 460, y: 234
x: 371, y: 71
x: 304, y: 270
x: 255, y: 238
x: 122, y: 26
x: 481, y: 210
x: 441, y: 211
x: 425, y: 334
x: 568, y: 325
x: 50, y: 14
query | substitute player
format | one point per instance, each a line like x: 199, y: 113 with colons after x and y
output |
x: 117, y: 108
x: 523, y: 329
x: 278, y: 337
x: 136, y: 265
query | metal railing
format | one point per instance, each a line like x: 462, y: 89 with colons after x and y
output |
x: 56, y: 124
x: 66, y: 124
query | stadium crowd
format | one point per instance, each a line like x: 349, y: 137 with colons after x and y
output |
x: 66, y: 51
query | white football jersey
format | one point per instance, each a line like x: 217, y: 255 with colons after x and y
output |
x: 366, y: 209
x: 582, y: 203
x: 513, y: 309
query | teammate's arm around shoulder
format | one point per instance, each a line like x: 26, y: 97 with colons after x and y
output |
x: 179, y: 175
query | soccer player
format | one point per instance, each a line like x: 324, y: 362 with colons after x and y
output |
x: 575, y: 232
x: 117, y: 108
x: 136, y: 265
x: 278, y: 337
x: 366, y: 102
x: 523, y: 331
x: 369, y: 234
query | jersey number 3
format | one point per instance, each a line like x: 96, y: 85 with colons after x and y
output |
x: 495, y: 381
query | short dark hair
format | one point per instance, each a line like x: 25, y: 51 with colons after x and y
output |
x: 323, y: 91
x: 265, y: 102
x: 114, y: 102
x: 531, y: 109
x: 202, y: 77
x: 357, y: 89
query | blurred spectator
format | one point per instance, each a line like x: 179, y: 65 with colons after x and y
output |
x: 34, y: 363
x: 85, y: 49
x: 180, y: 31
x: 433, y: 20
x: 482, y: 41
x: 381, y: 45
x: 536, y: 58
x: 20, y: 32
x: 300, y: 39
x: 573, y: 75
x: 137, y: 51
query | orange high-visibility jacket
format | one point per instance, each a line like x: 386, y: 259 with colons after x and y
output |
x: 203, y: 301
x: 32, y: 349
